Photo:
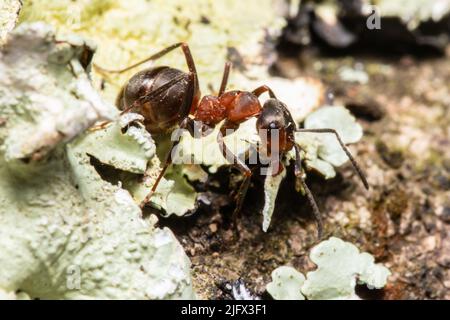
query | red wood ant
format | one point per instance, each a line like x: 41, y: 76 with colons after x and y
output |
x: 169, y: 97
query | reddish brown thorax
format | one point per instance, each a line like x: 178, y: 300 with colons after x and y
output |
x: 235, y: 106
x: 210, y: 111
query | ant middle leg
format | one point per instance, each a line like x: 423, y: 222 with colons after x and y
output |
x: 235, y: 160
x: 356, y: 166
x: 299, y: 176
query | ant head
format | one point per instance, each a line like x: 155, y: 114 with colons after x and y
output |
x: 275, y: 127
x: 272, y: 116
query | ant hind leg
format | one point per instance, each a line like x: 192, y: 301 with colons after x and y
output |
x: 148, y: 97
x: 298, y: 174
x: 153, y: 57
x: 186, y: 51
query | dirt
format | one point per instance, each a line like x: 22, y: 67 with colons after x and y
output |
x: 403, y: 220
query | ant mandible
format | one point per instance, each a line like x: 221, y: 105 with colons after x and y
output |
x: 167, y: 97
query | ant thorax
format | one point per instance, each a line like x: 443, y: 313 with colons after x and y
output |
x: 210, y: 111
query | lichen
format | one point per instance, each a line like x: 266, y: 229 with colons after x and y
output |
x: 271, y: 187
x: 340, y: 266
x: 9, y: 13
x: 66, y: 232
x: 174, y: 194
x: 41, y: 112
x: 286, y: 284
x: 206, y: 151
x: 129, y: 151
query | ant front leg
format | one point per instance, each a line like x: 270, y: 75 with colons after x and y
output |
x: 358, y: 169
x: 299, y: 176
x: 235, y: 160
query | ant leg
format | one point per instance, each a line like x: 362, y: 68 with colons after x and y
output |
x: 226, y: 73
x: 260, y: 90
x: 153, y: 57
x: 186, y: 123
x: 298, y: 174
x: 187, y: 54
x: 233, y: 159
x: 347, y: 152
x: 149, y: 96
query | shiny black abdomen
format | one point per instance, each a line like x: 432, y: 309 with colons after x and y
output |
x: 163, y: 112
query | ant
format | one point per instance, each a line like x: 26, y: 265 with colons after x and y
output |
x: 168, y: 98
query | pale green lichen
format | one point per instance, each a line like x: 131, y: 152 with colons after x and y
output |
x: 65, y: 232
x: 126, y: 145
x: 9, y: 13
x: 286, y: 284
x: 340, y: 266
x: 35, y: 122
x: 271, y: 187
x: 174, y: 194
x: 129, y: 151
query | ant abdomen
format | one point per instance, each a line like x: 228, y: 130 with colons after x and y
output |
x: 162, y: 112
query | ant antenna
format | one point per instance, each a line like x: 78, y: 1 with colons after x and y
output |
x: 356, y: 166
